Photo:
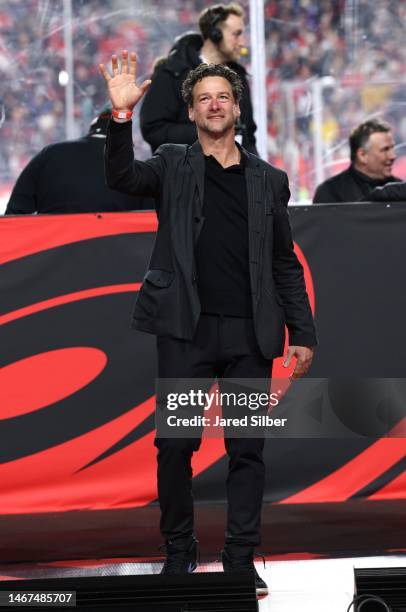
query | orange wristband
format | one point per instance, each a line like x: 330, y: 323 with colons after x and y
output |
x: 121, y: 114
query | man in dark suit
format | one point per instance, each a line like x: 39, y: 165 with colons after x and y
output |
x: 372, y: 157
x: 222, y: 283
x: 53, y: 181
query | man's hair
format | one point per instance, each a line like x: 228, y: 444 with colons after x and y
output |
x: 360, y: 135
x: 211, y: 17
x: 211, y: 70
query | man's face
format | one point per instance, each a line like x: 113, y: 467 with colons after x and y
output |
x: 233, y: 38
x: 378, y: 155
x: 214, y: 109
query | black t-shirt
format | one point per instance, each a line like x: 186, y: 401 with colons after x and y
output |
x: 222, y: 249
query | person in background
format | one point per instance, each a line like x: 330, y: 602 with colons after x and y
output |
x: 164, y: 116
x: 372, y: 156
x: 68, y: 177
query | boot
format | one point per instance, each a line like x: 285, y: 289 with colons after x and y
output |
x: 241, y: 560
x: 181, y: 556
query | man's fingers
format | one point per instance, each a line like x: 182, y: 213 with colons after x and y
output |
x: 114, y: 65
x: 124, y: 85
x: 298, y: 372
x: 133, y: 63
x: 104, y: 72
x: 288, y: 357
x: 304, y: 356
x: 302, y: 367
x: 124, y: 61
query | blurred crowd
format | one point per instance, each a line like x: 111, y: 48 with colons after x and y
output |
x: 352, y: 44
x: 308, y: 38
x: 356, y: 49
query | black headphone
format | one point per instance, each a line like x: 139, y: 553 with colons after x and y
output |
x: 215, y: 34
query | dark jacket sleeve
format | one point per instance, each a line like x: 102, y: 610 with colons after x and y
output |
x: 126, y: 174
x: 24, y: 197
x: 249, y: 140
x: 325, y: 194
x: 160, y: 118
x: 288, y: 275
x: 391, y: 192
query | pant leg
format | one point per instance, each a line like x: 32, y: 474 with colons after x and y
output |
x: 175, y: 486
x: 246, y: 472
x: 245, y: 489
x: 181, y: 359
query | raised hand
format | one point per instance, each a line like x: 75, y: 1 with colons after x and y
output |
x: 123, y: 90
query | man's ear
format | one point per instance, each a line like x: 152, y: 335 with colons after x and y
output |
x: 191, y: 113
x: 237, y: 110
x: 361, y: 155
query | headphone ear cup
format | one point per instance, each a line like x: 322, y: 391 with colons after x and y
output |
x: 216, y: 35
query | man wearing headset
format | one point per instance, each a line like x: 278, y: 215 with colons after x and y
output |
x: 164, y: 116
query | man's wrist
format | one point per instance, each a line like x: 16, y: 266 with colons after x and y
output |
x: 121, y: 116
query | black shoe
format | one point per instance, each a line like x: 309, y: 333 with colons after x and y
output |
x: 181, y: 556
x: 243, y: 563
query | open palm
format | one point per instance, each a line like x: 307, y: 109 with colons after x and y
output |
x: 123, y: 90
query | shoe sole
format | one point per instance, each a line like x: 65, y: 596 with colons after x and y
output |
x: 262, y: 591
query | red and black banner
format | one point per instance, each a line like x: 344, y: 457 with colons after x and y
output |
x: 77, y: 384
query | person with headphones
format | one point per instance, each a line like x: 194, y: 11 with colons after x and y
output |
x: 164, y: 117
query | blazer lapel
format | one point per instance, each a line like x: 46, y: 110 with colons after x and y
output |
x: 196, y: 161
x: 256, y: 221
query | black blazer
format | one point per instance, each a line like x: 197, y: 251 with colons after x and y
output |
x: 347, y: 186
x: 168, y: 302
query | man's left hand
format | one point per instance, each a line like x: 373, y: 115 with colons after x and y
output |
x: 304, y: 355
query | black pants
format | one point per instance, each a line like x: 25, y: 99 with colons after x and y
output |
x: 223, y: 347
